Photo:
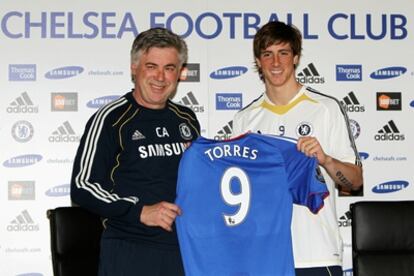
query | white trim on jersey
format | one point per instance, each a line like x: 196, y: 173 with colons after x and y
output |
x: 88, y: 155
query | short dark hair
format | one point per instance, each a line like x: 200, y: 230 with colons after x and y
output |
x: 276, y: 32
x: 160, y: 38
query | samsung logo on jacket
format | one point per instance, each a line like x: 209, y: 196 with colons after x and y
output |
x: 160, y: 150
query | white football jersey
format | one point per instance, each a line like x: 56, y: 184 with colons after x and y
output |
x: 316, y: 238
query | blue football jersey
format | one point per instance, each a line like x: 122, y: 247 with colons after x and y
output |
x: 236, y: 196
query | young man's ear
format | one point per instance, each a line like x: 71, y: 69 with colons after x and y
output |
x: 295, y: 61
x: 258, y: 63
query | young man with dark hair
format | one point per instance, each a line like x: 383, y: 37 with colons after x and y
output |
x: 318, y: 121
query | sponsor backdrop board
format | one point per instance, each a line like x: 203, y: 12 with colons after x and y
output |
x: 61, y: 61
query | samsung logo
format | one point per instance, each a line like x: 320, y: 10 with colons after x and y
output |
x: 412, y: 104
x: 64, y: 72
x: 228, y: 72
x: 60, y: 190
x: 99, y: 102
x: 22, y: 160
x: 363, y: 155
x: 390, y: 187
x: 388, y: 72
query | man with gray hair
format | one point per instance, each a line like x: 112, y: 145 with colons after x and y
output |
x: 126, y: 165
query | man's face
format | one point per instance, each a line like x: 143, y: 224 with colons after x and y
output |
x: 278, y: 64
x: 156, y: 76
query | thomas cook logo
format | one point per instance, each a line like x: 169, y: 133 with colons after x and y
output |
x: 228, y: 72
x: 388, y: 72
x: 390, y: 187
x: 310, y: 75
x: 229, y: 101
x: 22, y: 72
x: 23, y: 223
x: 348, y: 72
x: 389, y: 132
x: 22, y: 160
x: 64, y: 72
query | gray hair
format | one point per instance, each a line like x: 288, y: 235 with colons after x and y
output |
x: 160, y: 38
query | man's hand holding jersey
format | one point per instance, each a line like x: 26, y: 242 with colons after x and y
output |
x: 161, y: 214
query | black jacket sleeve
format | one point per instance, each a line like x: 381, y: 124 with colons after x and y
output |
x: 91, y: 184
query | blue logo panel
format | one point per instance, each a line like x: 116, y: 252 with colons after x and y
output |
x: 229, y: 101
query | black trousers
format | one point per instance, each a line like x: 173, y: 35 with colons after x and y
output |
x: 128, y: 258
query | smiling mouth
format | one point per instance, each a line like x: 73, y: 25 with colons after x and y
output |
x: 276, y: 71
x: 158, y: 86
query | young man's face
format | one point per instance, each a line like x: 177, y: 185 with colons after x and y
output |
x: 156, y: 76
x: 278, y: 64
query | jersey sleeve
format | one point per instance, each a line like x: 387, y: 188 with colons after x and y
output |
x: 237, y: 125
x: 306, y: 184
x: 91, y: 184
x: 343, y: 147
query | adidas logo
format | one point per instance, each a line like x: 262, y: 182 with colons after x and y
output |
x: 22, y: 104
x: 345, y: 220
x: 389, y: 132
x: 64, y: 133
x: 351, y: 103
x: 191, y: 101
x: 310, y: 75
x: 137, y: 136
x: 225, y: 132
x: 23, y: 223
